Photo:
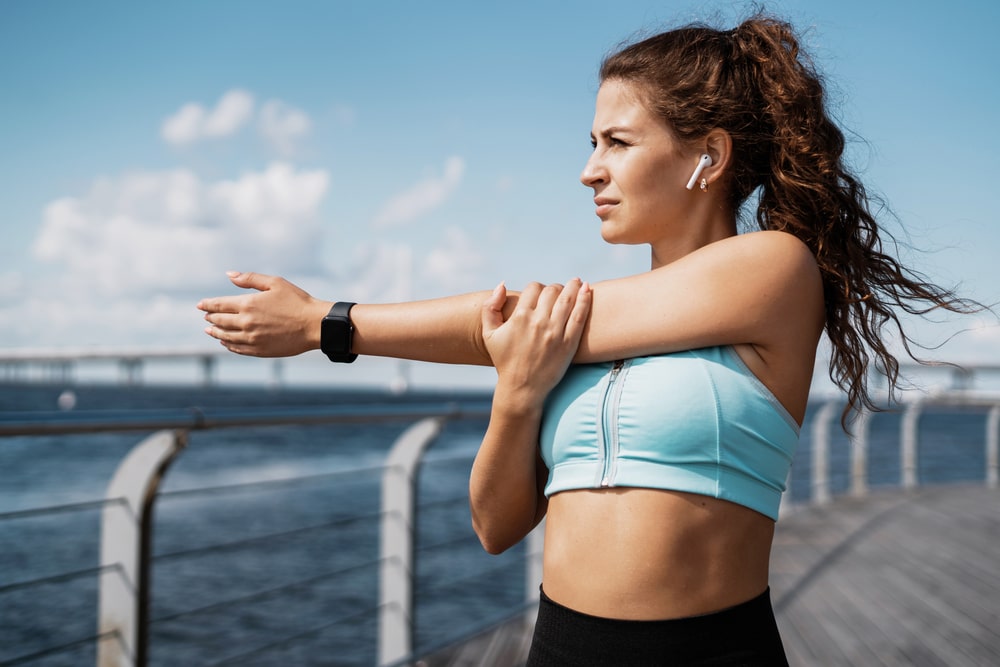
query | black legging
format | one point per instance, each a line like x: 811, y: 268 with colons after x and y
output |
x: 744, y: 635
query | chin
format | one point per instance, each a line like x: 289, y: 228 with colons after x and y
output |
x: 616, y: 236
x: 610, y: 234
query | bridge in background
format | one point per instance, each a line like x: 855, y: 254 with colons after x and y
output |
x: 59, y: 365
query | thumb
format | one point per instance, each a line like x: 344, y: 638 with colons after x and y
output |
x: 251, y: 280
x: 493, y: 309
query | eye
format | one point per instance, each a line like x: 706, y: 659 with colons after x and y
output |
x: 615, y: 141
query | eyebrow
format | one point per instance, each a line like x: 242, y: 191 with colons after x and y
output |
x: 616, y: 129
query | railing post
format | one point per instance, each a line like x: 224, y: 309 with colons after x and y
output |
x: 399, y: 489
x: 993, y: 447
x: 908, y: 444
x: 126, y: 542
x: 859, y: 454
x: 821, y: 453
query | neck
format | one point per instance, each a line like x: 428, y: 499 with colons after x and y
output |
x: 707, y: 223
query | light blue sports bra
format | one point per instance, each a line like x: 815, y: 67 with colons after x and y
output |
x: 697, y: 421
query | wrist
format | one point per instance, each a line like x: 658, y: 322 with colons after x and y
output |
x: 518, y: 402
x: 315, y: 313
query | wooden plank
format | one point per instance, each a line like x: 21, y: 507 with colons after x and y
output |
x: 917, y: 582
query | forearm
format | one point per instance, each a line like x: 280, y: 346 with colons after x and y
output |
x: 505, y: 487
x: 446, y: 330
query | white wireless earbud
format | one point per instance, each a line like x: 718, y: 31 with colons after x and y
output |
x: 705, y: 161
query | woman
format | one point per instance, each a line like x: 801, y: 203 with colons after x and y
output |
x: 665, y: 446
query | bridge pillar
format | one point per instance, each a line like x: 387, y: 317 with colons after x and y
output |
x: 131, y: 369
x: 207, y: 371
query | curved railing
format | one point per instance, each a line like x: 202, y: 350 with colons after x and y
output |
x: 127, y: 558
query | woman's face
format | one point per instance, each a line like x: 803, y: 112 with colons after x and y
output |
x: 638, y: 170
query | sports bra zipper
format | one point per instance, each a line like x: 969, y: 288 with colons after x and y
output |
x: 609, y: 427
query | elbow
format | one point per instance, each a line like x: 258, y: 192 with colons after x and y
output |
x: 493, y: 541
x: 493, y: 549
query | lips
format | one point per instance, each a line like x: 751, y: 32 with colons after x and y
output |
x: 604, y: 205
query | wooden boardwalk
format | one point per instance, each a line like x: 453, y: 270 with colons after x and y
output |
x: 897, y: 578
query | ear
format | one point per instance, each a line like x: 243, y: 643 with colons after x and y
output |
x: 719, y: 144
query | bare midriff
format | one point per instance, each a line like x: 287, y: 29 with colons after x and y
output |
x: 647, y: 554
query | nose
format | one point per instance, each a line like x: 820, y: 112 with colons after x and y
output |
x: 593, y: 173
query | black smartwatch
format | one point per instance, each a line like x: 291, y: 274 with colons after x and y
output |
x: 337, y: 333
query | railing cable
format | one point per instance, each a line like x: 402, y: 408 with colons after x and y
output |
x: 443, y: 502
x: 266, y: 593
x: 59, y: 509
x: 472, y: 576
x: 283, y: 481
x: 239, y: 658
x: 58, y: 578
x: 270, y: 537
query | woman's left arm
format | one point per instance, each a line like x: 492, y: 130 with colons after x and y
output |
x: 531, y: 350
x: 762, y: 288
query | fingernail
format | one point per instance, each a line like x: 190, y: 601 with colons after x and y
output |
x: 585, y: 287
x: 232, y: 274
x: 496, y: 290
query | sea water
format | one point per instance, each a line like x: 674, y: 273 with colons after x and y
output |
x: 280, y: 572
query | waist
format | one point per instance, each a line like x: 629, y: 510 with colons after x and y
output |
x: 644, y: 554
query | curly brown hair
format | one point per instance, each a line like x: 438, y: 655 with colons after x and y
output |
x: 755, y: 83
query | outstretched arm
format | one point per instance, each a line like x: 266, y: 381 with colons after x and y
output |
x: 762, y: 288
x: 531, y: 349
x: 278, y: 319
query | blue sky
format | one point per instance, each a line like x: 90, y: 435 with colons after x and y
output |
x: 373, y: 151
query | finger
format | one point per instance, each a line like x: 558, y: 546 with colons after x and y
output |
x: 220, y: 304
x: 564, y: 303
x: 580, y: 314
x: 492, y: 312
x: 251, y: 280
x: 237, y: 349
x: 224, y: 336
x: 225, y: 321
x: 547, y: 299
x: 529, y: 297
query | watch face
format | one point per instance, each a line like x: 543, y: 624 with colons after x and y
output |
x: 335, y: 337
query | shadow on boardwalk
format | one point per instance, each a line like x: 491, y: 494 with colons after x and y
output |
x: 897, y: 578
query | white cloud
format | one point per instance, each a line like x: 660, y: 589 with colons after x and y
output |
x: 192, y: 122
x: 282, y: 125
x: 421, y: 198
x: 456, y: 264
x: 154, y: 232
x: 379, y: 272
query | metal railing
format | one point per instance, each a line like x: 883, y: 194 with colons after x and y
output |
x: 827, y: 419
x: 123, y: 572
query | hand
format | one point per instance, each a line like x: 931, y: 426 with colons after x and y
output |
x: 278, y: 320
x: 533, y: 347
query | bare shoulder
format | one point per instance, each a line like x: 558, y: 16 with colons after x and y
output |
x: 771, y: 266
x: 780, y: 251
